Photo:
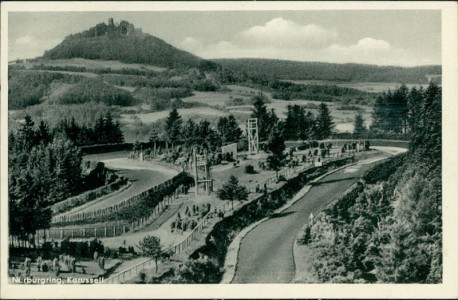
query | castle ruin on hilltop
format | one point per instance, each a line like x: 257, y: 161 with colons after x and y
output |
x: 122, y: 29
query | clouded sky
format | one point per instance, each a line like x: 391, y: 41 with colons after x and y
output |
x: 382, y: 37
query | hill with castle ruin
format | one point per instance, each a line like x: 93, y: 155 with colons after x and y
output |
x: 121, y: 42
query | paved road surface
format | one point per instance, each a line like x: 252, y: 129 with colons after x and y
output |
x: 266, y: 252
x: 143, y: 175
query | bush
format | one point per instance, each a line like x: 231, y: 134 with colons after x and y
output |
x: 88, y: 196
x: 367, y: 145
x: 281, y: 178
x: 200, y: 270
x: 249, y: 169
x: 306, y: 238
x: 142, y: 277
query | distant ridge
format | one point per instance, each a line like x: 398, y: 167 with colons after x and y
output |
x: 295, y: 70
x: 122, y: 42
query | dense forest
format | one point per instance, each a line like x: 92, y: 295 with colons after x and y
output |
x: 26, y: 88
x: 95, y: 90
x: 327, y: 93
x: 45, y: 167
x: 294, y: 70
x: 389, y: 229
x: 56, y: 84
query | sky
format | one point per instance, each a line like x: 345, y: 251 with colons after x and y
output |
x: 380, y: 37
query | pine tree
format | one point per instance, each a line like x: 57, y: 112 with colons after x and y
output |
x: 324, y: 122
x: 391, y: 111
x: 232, y: 191
x: 118, y: 136
x: 189, y: 133
x: 27, y: 136
x: 414, y: 103
x: 99, y: 134
x: 359, y: 128
x: 229, y: 130
x: 309, y: 126
x: 398, y: 110
x: 234, y: 131
x: 276, y: 146
x: 173, y: 126
x: 260, y: 112
x: 67, y: 169
x: 427, y: 136
x: 222, y: 128
x: 108, y: 128
x: 272, y: 119
x: 43, y: 133
x: 380, y: 113
x: 292, y: 124
x: 207, y: 137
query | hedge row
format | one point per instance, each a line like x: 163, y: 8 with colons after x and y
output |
x: 384, y: 169
x: 219, y: 239
x: 104, y: 148
x: 88, y: 196
x: 140, y: 206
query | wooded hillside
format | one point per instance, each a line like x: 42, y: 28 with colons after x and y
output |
x: 294, y: 70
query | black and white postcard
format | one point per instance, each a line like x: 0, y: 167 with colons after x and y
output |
x: 229, y: 150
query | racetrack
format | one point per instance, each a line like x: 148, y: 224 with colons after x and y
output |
x: 142, y: 174
x: 266, y: 252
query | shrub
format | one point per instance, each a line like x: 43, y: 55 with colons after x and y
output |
x: 200, y: 270
x: 281, y: 178
x: 249, y: 169
x: 142, y: 276
x: 306, y: 238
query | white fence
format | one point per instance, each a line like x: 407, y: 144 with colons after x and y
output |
x: 177, y: 249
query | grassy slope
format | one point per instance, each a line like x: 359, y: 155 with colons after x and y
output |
x: 218, y: 100
x: 95, y: 64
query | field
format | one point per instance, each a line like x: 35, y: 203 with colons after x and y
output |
x: 342, y: 118
x: 158, y: 115
x: 96, y: 64
x: 370, y: 87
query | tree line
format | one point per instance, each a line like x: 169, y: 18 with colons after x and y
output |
x: 200, y: 134
x: 398, y: 111
x: 104, y: 131
x: 299, y: 125
x: 45, y: 167
x: 327, y: 93
x: 294, y: 70
x: 42, y: 170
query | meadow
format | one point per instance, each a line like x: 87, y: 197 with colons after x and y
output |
x: 370, y: 87
x: 96, y: 64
